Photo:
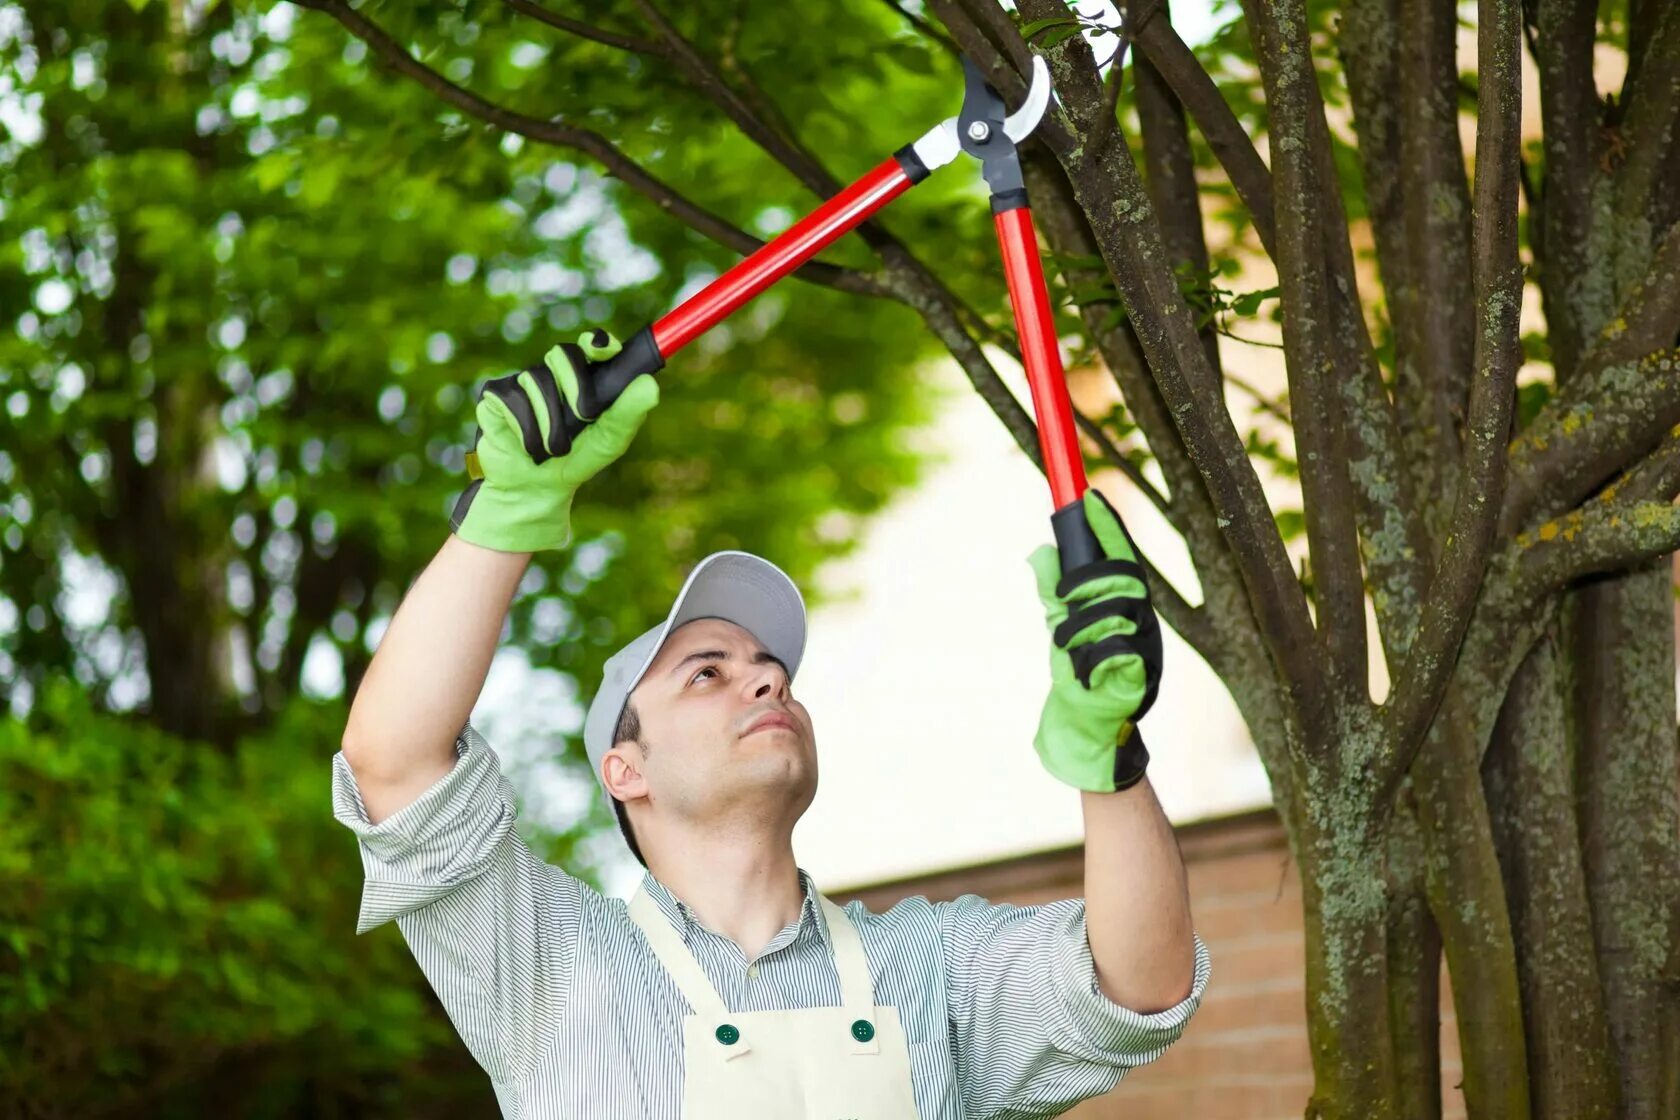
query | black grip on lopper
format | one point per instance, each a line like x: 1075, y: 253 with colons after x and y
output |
x: 600, y: 383
x: 1075, y: 540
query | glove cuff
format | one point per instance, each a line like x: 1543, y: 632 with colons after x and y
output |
x: 1131, y: 759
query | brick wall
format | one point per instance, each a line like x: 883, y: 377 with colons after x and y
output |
x: 1244, y: 1054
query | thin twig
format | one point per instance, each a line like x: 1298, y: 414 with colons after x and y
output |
x: 583, y: 140
x: 926, y: 28
x: 580, y: 29
x: 1117, y: 459
x: 1125, y: 34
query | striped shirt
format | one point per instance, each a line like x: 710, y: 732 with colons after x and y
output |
x: 556, y: 993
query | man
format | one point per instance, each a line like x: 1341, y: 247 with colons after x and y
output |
x: 729, y: 986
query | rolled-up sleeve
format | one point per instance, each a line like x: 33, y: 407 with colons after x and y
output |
x: 1035, y: 1034
x: 492, y: 927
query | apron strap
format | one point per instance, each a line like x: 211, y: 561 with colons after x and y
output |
x: 690, y: 978
x: 857, y: 990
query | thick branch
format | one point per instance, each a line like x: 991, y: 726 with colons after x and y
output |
x: 1189, y: 80
x: 1300, y: 134
x: 1652, y: 102
x: 1601, y: 537
x: 583, y: 140
x: 1592, y: 429
x: 1569, y: 117
x: 1423, y: 679
x: 1649, y: 318
x: 1170, y: 168
x: 1440, y: 331
x: 993, y: 21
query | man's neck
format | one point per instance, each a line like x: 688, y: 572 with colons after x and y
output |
x: 746, y: 895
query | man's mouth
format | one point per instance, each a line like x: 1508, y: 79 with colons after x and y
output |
x: 771, y: 721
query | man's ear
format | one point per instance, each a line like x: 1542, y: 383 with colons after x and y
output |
x: 623, y: 777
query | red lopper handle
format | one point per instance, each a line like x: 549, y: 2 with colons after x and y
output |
x: 1057, y: 438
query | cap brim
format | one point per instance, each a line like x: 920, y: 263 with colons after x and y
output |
x: 744, y: 589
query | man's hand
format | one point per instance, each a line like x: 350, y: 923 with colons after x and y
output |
x: 1105, y: 659
x: 534, y: 451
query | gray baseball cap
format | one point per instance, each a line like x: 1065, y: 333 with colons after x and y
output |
x: 737, y: 587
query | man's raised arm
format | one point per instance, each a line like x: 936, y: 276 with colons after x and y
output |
x: 532, y: 453
x: 427, y: 673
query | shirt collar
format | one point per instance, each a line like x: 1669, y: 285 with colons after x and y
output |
x: 685, y: 921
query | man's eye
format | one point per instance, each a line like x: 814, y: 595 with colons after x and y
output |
x: 707, y: 669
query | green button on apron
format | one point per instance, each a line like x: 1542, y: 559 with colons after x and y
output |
x: 863, y: 1030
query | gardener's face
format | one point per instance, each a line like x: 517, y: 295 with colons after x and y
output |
x: 728, y: 747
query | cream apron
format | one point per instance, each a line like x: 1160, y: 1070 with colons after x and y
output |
x: 820, y: 1063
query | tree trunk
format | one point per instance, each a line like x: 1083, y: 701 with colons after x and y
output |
x: 1414, y: 972
x: 1467, y: 897
x: 1624, y: 706
x: 1345, y: 910
x: 1529, y: 777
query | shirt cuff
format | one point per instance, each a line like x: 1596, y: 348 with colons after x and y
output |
x: 1105, y: 1029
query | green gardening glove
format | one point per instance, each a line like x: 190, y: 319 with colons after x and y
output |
x: 1105, y: 659
x: 533, y: 451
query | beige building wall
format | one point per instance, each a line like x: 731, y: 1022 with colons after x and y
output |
x: 1243, y: 1055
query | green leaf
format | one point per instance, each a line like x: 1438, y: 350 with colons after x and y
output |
x: 1249, y: 302
x: 1059, y: 35
x: 1531, y: 398
x: 1028, y: 30
x: 1291, y: 523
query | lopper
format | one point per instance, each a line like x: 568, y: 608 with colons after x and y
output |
x: 984, y: 130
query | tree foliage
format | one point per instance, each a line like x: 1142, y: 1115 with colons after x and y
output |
x: 1498, y: 490
x: 252, y: 287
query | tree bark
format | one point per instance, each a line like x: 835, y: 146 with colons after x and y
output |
x: 1343, y: 895
x: 1529, y: 777
x: 1624, y: 712
x: 1467, y: 897
x: 1414, y: 972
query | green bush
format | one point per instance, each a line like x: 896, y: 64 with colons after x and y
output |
x: 167, y: 911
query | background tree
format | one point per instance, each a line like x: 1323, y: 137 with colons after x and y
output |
x: 1517, y: 564
x: 250, y: 290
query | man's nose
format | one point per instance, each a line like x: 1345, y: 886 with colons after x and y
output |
x: 770, y: 682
